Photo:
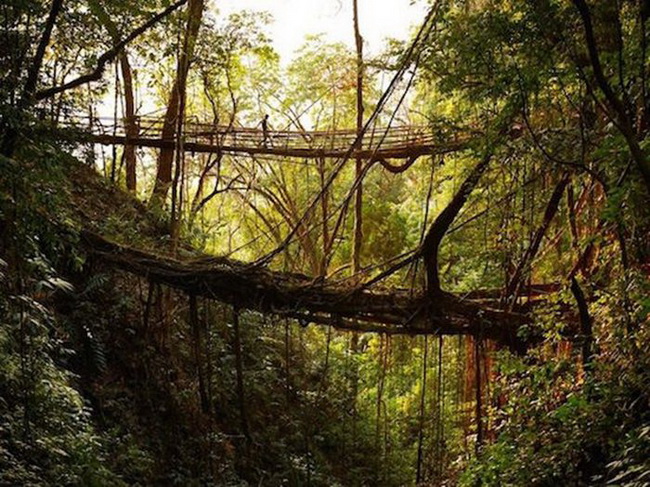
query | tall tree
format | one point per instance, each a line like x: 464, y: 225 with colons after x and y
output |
x: 176, y: 102
x: 358, y: 198
x: 130, y: 121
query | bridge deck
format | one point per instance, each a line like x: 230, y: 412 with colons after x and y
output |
x: 396, y: 142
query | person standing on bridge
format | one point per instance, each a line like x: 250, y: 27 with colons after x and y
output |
x: 265, y: 130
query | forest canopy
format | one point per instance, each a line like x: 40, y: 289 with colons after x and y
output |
x: 425, y: 264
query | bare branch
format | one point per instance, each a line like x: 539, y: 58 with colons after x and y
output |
x: 32, y: 75
x: 625, y: 124
x: 109, y: 55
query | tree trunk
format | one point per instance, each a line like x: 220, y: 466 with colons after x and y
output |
x: 586, y: 334
x: 438, y: 229
x: 616, y: 106
x: 512, y: 289
x: 176, y: 98
x: 10, y: 132
x: 130, y: 121
x: 358, y: 201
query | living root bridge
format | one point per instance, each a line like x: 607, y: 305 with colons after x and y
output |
x: 312, y: 301
x: 405, y: 151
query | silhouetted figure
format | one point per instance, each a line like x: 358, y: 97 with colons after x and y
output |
x: 265, y: 130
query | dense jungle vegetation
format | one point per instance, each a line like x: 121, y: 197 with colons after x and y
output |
x: 219, y: 267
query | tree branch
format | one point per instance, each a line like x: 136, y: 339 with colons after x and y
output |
x: 109, y: 55
x: 512, y: 289
x: 439, y: 228
x: 626, y: 125
x: 34, y: 69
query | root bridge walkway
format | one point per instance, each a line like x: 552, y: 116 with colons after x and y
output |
x: 404, y: 142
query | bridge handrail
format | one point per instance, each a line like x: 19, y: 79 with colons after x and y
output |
x: 397, y: 137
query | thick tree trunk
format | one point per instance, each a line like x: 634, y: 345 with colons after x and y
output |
x: 358, y: 213
x: 616, y: 106
x: 176, y: 99
x: 438, y: 229
x: 37, y: 62
x: 9, y: 132
x: 130, y: 121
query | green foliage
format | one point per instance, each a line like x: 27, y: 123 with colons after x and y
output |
x: 556, y: 430
x: 104, y: 380
x: 46, y: 434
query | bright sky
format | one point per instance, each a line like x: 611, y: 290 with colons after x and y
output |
x: 294, y: 19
